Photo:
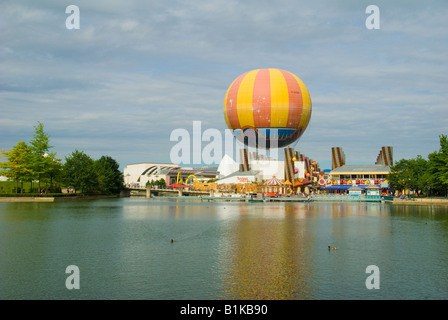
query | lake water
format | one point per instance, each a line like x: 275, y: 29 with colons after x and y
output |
x: 222, y: 250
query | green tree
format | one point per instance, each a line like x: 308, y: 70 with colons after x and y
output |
x: 79, y: 172
x: 110, y: 178
x: 161, y: 184
x: 429, y: 176
x: 400, y: 175
x: 418, y: 167
x: 15, y: 163
x: 43, y: 163
x: 437, y: 172
x: 409, y: 174
x: 54, y: 168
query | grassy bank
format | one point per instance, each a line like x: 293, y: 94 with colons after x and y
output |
x: 422, y: 201
x: 9, y: 187
x: 49, y: 198
x: 32, y: 194
x: 39, y: 195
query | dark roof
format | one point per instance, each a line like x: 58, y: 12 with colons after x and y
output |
x: 363, y: 168
x: 203, y: 171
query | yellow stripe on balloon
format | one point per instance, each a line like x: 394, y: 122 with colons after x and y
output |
x: 306, y: 102
x: 244, y: 100
x: 226, y: 117
x: 279, y: 99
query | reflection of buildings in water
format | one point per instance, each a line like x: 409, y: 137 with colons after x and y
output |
x: 354, y: 221
x: 346, y: 209
x: 267, y: 258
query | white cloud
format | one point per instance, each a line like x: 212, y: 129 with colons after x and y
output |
x: 137, y: 70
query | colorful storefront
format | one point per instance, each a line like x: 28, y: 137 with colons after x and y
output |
x: 371, y: 179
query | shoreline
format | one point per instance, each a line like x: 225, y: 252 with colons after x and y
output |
x: 395, y: 201
x: 55, y: 199
x: 420, y: 202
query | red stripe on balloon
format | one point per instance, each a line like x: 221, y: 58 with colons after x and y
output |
x: 261, y: 99
x: 232, y: 112
x: 295, y: 100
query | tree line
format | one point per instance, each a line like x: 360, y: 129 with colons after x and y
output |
x: 423, y: 176
x: 160, y: 184
x: 34, y: 162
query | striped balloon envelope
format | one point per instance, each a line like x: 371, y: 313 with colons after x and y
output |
x: 267, y: 108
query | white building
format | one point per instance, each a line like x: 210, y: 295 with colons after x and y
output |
x: 227, y: 166
x: 240, y: 177
x: 260, y: 169
x: 136, y: 175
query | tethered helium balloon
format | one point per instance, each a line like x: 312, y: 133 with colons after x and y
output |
x: 270, y: 108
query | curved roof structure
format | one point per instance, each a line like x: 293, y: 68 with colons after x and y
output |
x: 273, y: 182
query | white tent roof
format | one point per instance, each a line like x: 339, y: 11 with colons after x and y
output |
x: 227, y: 166
x: 273, y: 182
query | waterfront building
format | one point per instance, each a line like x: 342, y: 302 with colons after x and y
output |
x: 298, y: 173
x: 236, y: 177
x: 260, y: 168
x: 252, y: 168
x: 295, y: 174
x: 360, y: 174
x: 139, y: 174
x: 189, y: 175
x: 371, y: 178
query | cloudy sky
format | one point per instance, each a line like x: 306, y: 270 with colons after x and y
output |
x: 137, y: 70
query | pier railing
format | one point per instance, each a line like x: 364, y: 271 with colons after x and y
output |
x: 343, y: 197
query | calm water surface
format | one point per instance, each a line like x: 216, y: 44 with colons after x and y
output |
x: 222, y: 250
